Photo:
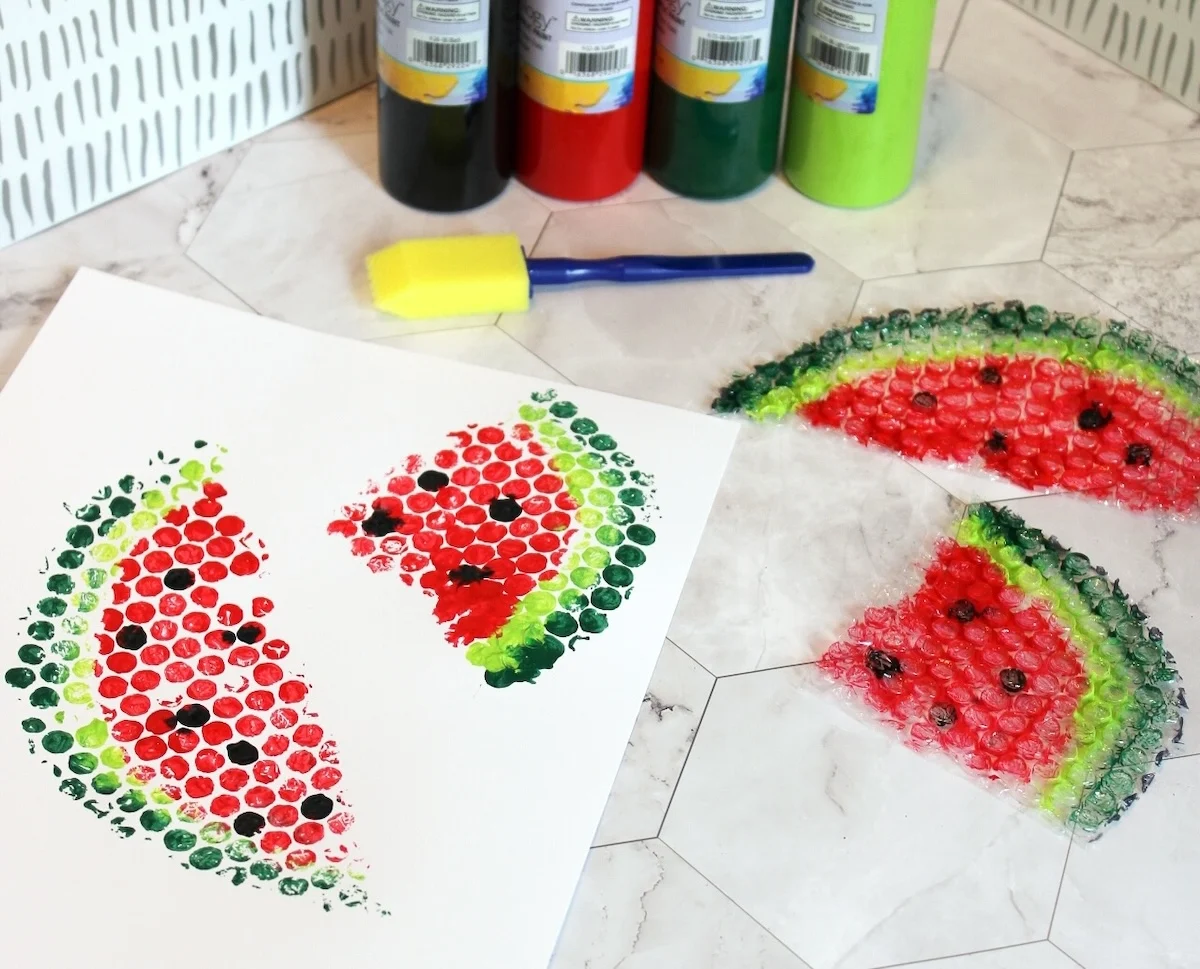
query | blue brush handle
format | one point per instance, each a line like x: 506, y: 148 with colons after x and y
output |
x: 650, y: 269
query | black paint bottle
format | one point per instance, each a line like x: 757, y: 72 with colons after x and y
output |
x: 447, y: 89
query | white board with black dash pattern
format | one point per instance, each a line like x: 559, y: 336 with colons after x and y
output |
x: 1154, y: 39
x: 98, y: 97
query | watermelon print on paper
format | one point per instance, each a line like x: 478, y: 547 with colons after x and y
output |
x: 1027, y: 665
x: 527, y: 535
x: 155, y: 687
x: 1046, y: 400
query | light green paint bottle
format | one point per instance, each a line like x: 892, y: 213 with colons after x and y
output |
x: 858, y: 83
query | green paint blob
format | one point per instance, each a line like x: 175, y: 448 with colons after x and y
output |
x: 530, y: 413
x: 75, y: 625
x: 19, y: 677
x: 112, y: 757
x: 612, y: 477
x: 106, y: 783
x: 564, y: 409
x: 641, y: 478
x: 591, y: 461
x: 205, y: 858
x: 179, y: 840
x: 92, y: 735
x: 31, y: 654
x: 216, y: 832
x: 595, y: 557
x: 70, y: 559
x: 83, y: 763
x: 74, y: 788
x: 83, y: 667
x: 52, y: 606
x: 242, y: 849
x: 88, y: 513
x: 294, y: 886
x: 55, y: 673
x: 95, y: 578
x: 622, y: 460
x: 143, y: 521
x: 561, y: 624
x: 618, y: 576
x: 121, y: 507
x: 43, y: 698
x: 539, y: 603
x: 190, y: 471
x: 154, y: 499
x: 104, y: 552
x: 606, y: 598
x: 265, y: 871
x: 77, y: 693
x: 127, y: 483
x: 621, y: 515
x: 591, y: 621
x: 132, y: 801
x: 60, y: 584
x: 87, y: 602
x: 557, y: 584
x: 589, y: 517
x: 325, y: 878
x: 600, y: 497
x: 584, y: 578
x: 611, y: 535
x: 41, y: 630
x: 642, y: 534
x: 155, y: 819
x: 66, y: 649
x: 632, y: 496
x: 33, y: 725
x: 571, y: 599
x: 580, y: 478
x: 584, y: 426
x: 81, y: 536
x: 602, y: 442
x: 57, y: 742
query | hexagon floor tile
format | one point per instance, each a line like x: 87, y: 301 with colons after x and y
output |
x: 984, y: 193
x: 1127, y: 230
x: 851, y: 849
x: 1073, y: 95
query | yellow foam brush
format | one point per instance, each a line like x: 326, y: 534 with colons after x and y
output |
x: 472, y: 275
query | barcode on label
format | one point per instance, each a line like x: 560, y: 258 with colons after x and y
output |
x: 595, y: 63
x: 445, y: 54
x: 714, y: 50
x: 850, y: 59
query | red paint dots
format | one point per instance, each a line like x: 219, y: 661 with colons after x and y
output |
x: 165, y: 630
x: 148, y: 586
x: 172, y: 604
x: 215, y: 732
x: 260, y: 700
x: 139, y: 612
x: 160, y: 721
x: 445, y: 459
x: 300, y: 859
x: 213, y: 571
x: 183, y: 741
x: 261, y: 605
x: 207, y: 507
x: 178, y: 672
x: 233, y: 779
x: 326, y: 778
x: 176, y: 516
x: 275, y: 745
x: 186, y: 648
x: 219, y: 639
x: 150, y: 748
x: 282, y: 816
x: 301, y: 761
x: 112, y: 687
x: 292, y: 691
x: 308, y: 735
x: 267, y: 673
x: 244, y: 563
x: 309, y: 833
x: 292, y: 789
x: 259, y: 797
x: 155, y: 655
x: 243, y: 656
x: 220, y: 547
x: 275, y: 649
x: 266, y: 771
x: 158, y: 562
x: 144, y: 680
x: 204, y: 596
x: 195, y: 622
x: 125, y: 731
x: 121, y: 662
x: 210, y: 665
x: 227, y: 707
x: 225, y: 805
x: 283, y: 718
x: 167, y: 537
x: 135, y: 705
x: 202, y: 689
x: 199, y: 787
x: 230, y: 525
x: 174, y: 768
x: 189, y: 555
x: 250, y: 726
x: 198, y: 531
x: 229, y: 615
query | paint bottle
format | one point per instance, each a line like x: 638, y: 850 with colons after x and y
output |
x: 716, y: 94
x: 858, y: 85
x: 447, y: 88
x: 584, y: 70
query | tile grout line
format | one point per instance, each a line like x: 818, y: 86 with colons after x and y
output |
x: 691, y: 657
x: 246, y: 303
x: 1062, y: 189
x: 627, y: 841
x: 962, y: 12
x: 959, y: 955
x: 766, y: 669
x: 1061, y: 879
x: 688, y: 756
x: 1065, y: 953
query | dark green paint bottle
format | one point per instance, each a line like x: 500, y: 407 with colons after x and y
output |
x: 716, y: 95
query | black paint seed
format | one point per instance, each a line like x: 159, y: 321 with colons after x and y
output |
x: 1094, y: 418
x: 251, y: 632
x: 433, y: 480
x: 193, y: 715
x: 504, y: 509
x: 179, y: 579
x: 316, y: 806
x: 1139, y: 454
x: 381, y: 523
x: 990, y: 376
x: 467, y: 574
x: 924, y: 400
x: 131, y: 637
x: 943, y: 714
x: 997, y: 442
x: 249, y: 823
x: 963, y: 610
x: 227, y: 637
x: 1012, y: 680
x: 242, y: 752
x: 882, y: 664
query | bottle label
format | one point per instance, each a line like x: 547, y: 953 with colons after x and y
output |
x: 578, y: 55
x: 714, y: 50
x: 434, y: 51
x: 839, y: 46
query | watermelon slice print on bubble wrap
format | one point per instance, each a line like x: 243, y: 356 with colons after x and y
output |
x: 1046, y: 400
x: 156, y: 690
x: 527, y: 535
x: 1027, y: 665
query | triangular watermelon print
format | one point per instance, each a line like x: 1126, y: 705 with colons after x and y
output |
x: 1046, y: 400
x: 527, y: 534
x: 1027, y: 665
x: 163, y: 701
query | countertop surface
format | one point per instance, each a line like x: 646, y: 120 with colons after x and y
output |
x: 755, y: 823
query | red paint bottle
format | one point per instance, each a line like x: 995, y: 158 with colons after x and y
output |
x: 583, y: 90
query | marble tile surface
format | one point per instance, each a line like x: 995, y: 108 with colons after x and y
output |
x: 852, y: 850
x: 806, y: 529
x: 984, y: 193
x: 1126, y: 899
x: 1034, y: 955
x: 1060, y: 87
x: 945, y: 23
x: 641, y: 906
x: 483, y: 346
x: 1128, y: 230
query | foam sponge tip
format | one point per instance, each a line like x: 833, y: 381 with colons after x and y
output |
x: 452, y: 276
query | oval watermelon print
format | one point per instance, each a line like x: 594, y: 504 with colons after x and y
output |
x: 1027, y: 665
x: 527, y: 535
x: 158, y: 691
x: 1046, y: 400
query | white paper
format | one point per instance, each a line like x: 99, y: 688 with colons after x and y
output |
x: 475, y: 806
